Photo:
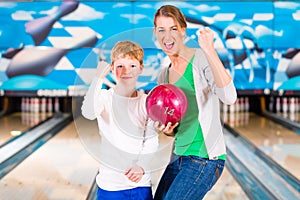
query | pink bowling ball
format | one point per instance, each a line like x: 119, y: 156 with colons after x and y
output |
x: 166, y: 103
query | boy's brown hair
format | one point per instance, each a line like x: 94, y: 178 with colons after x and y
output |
x: 127, y: 48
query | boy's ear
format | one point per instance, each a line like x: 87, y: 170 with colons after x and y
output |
x: 111, y: 66
x: 141, y: 68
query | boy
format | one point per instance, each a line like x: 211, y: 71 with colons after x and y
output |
x: 128, y: 136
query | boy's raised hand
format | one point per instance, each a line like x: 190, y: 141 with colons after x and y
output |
x: 103, y: 68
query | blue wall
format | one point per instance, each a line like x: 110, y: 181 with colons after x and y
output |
x: 257, y: 41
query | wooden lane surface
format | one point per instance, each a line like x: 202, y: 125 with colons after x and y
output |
x: 65, y: 167
x: 278, y: 142
x: 293, y: 116
x: 60, y: 169
x: 19, y: 121
x: 226, y: 187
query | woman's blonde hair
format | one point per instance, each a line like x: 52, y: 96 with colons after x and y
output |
x: 127, y: 48
x: 171, y: 11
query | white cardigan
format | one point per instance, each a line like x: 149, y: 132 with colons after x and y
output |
x: 208, y: 96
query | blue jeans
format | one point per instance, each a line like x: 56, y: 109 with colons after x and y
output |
x: 139, y: 193
x: 188, y: 178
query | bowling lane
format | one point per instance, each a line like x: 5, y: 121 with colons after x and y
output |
x: 16, y: 123
x: 276, y: 141
x: 226, y: 187
x: 60, y: 169
x: 293, y: 116
x: 63, y: 169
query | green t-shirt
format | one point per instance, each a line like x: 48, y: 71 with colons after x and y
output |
x: 189, y: 137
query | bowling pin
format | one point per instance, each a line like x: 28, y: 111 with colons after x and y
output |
x: 31, y: 104
x: 43, y: 105
x: 292, y: 107
x: 49, y: 105
x: 40, y: 28
x: 247, y: 106
x: 278, y: 104
x: 41, y: 60
x: 284, y: 105
x: 56, y: 105
x: 36, y: 105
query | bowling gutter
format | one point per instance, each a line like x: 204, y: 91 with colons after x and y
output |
x: 294, y: 126
x: 260, y: 177
x: 16, y: 150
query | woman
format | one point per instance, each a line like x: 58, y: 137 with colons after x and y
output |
x: 199, y: 150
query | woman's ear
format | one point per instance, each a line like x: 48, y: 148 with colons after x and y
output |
x: 154, y: 31
x: 183, y: 31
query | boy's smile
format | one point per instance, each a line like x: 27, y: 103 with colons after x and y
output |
x: 126, y: 69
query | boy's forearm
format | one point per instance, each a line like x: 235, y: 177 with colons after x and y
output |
x: 89, y: 103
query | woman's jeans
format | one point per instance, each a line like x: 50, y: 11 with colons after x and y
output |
x: 188, y: 178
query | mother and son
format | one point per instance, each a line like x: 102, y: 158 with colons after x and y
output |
x: 199, y: 152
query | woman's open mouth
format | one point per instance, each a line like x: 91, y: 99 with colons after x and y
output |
x: 169, y: 45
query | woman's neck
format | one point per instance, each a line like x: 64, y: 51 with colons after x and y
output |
x: 180, y: 60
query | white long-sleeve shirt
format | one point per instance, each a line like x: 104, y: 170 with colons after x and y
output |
x: 128, y: 138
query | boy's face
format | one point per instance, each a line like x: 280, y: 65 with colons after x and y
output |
x: 126, y: 69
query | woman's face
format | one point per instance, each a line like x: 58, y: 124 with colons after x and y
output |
x: 169, y: 35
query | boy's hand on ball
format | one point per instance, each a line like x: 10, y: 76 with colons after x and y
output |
x: 167, y: 129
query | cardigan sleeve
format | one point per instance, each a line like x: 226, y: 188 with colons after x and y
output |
x: 226, y: 94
